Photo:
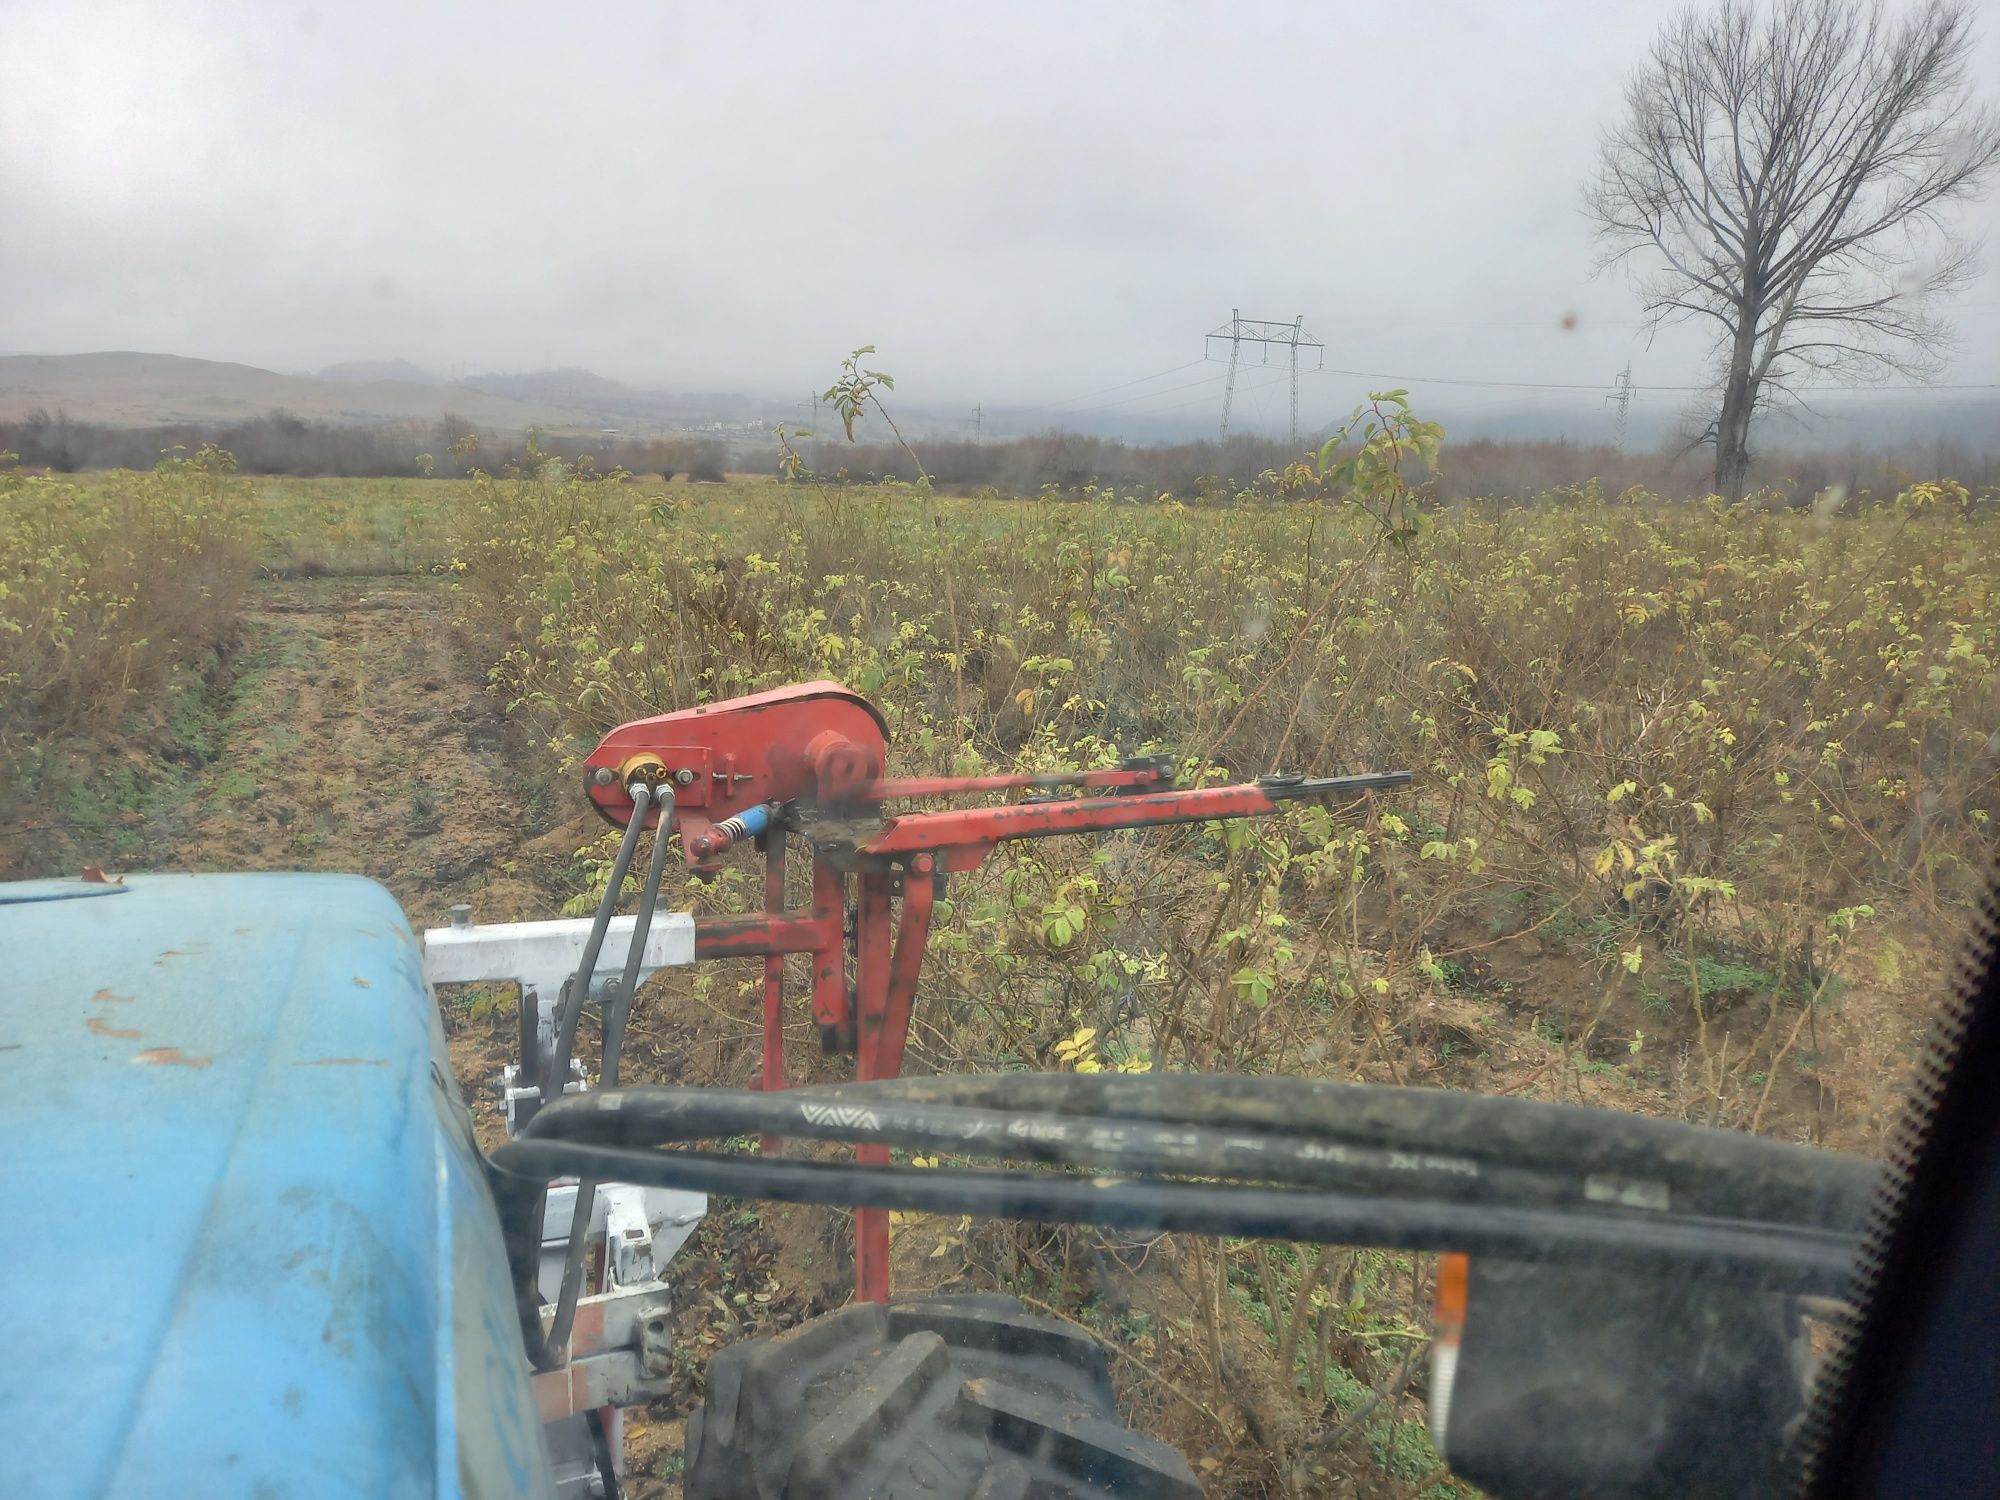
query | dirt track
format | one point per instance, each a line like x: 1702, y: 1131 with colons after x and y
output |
x: 358, y: 738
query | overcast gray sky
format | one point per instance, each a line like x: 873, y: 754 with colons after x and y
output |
x: 1015, y: 202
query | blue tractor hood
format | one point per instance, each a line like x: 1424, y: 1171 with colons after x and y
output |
x: 245, y: 1242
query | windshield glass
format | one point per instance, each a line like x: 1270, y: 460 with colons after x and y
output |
x: 1529, y: 478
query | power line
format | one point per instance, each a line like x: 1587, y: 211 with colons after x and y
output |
x: 1602, y: 386
x: 1512, y: 385
x: 1612, y: 389
x: 1148, y: 395
x: 1271, y: 384
x: 1157, y: 375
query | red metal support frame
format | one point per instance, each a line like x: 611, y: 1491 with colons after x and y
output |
x: 754, y: 934
x: 871, y: 1004
x: 773, y: 1077
x: 811, y: 758
x: 885, y: 990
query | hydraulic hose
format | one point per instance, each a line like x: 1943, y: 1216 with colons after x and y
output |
x: 548, y: 1351
x: 1723, y: 1172
x: 619, y: 1010
x: 557, y: 1077
x: 1769, y: 1256
x: 1355, y: 1164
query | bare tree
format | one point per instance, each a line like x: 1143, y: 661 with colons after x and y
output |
x: 1786, y: 176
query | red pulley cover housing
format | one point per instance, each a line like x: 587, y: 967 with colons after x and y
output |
x: 815, y: 742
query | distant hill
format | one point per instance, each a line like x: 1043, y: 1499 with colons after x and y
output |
x: 128, y: 389
x: 141, y: 390
x: 362, y: 371
x: 566, y: 387
x: 612, y: 403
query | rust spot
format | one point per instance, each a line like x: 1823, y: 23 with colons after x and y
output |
x: 341, y: 1062
x: 102, y: 1027
x: 94, y: 875
x: 362, y: 982
x: 164, y: 956
x: 170, y: 1057
x: 242, y: 931
x: 103, y: 995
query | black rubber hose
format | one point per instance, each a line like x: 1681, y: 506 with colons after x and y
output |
x: 616, y: 1010
x: 557, y: 1078
x: 1459, y: 1170
x: 1351, y: 1136
x: 1767, y: 1256
x: 548, y: 1351
x: 600, y: 1448
x: 619, y: 1010
x: 662, y: 1116
x: 1723, y: 1172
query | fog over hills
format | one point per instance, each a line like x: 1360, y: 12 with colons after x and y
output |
x: 129, y: 389
x: 132, y: 389
x: 362, y: 371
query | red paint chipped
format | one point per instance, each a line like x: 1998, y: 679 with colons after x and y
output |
x: 105, y: 1028
x: 170, y: 1056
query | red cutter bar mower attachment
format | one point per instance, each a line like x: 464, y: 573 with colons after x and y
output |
x: 810, y: 759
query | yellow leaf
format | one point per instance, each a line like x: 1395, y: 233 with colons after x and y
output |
x: 1630, y: 958
x: 1606, y: 858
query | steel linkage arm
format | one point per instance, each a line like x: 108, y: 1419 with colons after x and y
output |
x: 962, y: 837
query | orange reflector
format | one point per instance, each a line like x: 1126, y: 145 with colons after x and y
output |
x: 1448, y: 1305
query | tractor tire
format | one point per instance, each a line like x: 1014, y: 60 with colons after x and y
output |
x: 948, y: 1398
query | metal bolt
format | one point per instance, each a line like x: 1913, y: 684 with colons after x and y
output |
x: 656, y: 1344
x: 684, y: 777
x: 461, y: 915
x: 604, y: 776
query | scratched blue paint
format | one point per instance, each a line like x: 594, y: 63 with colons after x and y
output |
x: 245, y: 1243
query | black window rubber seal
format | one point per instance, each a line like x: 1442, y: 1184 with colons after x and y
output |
x: 1910, y: 1400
